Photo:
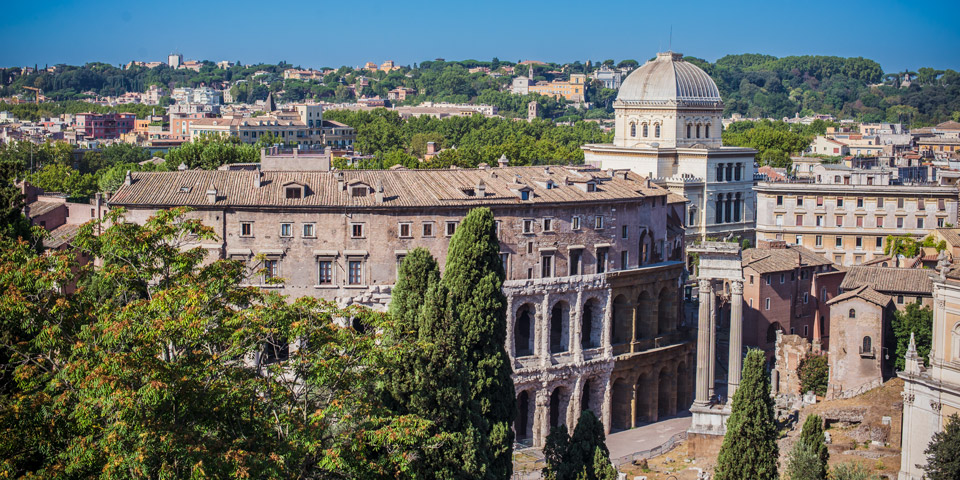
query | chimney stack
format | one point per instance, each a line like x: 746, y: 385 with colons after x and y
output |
x: 502, y: 161
x: 212, y: 194
x: 258, y: 178
x: 431, y: 148
x: 341, y: 185
x: 128, y: 179
x: 378, y: 196
x: 481, y: 189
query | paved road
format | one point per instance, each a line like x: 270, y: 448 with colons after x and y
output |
x: 646, y: 437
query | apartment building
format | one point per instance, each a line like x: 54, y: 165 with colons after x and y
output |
x: 845, y: 214
x: 572, y: 90
x: 96, y: 126
x: 300, y: 123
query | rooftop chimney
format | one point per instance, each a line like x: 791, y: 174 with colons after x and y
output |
x: 212, y: 194
x: 341, y: 185
x: 431, y: 148
x: 128, y: 179
x: 378, y: 195
x: 502, y: 161
x: 258, y: 178
x: 481, y: 189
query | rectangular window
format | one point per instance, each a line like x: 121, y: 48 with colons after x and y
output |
x: 879, y: 222
x: 286, y: 229
x: 751, y: 279
x: 819, y: 220
x: 325, y: 272
x: 879, y: 242
x: 623, y: 231
x: 309, y: 230
x: 768, y: 279
x: 900, y: 299
x: 624, y: 258
x: 546, y: 266
x: 941, y: 204
x: 799, y: 239
x: 505, y: 261
x: 859, y: 243
x: 271, y: 269
x: 859, y: 202
x: 547, y: 224
x: 900, y: 203
x: 356, y: 230
x: 598, y: 222
x: 838, y: 242
x: 819, y: 240
x: 246, y: 229
x: 451, y: 228
x: 779, y: 220
x: 779, y: 200
x: 575, y: 223
x: 839, y: 220
x: 840, y: 202
x: 940, y: 222
x: 806, y: 297
x: 919, y: 222
x: 880, y: 202
x: 899, y: 222
x: 575, y: 261
x: 601, y: 260
x: 767, y: 303
x: 820, y: 200
x: 859, y: 221
x: 838, y: 259
x: 428, y: 229
x: 406, y: 230
x: 799, y: 200
x: 355, y: 272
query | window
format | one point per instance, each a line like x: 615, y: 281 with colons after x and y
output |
x: 899, y: 222
x: 547, y: 224
x: 839, y: 220
x: 293, y: 192
x: 859, y: 221
x: 356, y: 230
x: 524, y: 195
x: 779, y: 220
x: 528, y: 226
x: 838, y: 242
x: 505, y: 261
x: 358, y: 191
x: 428, y: 229
x: 852, y: 313
x: 451, y: 228
x: 859, y: 202
x: 767, y: 279
x: 879, y: 242
x: 286, y: 229
x: 919, y: 222
x: 624, y: 259
x: 941, y: 204
x: 879, y: 222
x: 623, y: 231
x: 779, y: 200
x: 575, y: 261
x: 799, y: 220
x: 406, y: 230
x: 246, y: 229
x: 271, y: 269
x: 656, y: 130
x: 820, y: 200
x: 782, y: 278
x: 839, y: 201
x: 688, y: 131
x: 325, y: 272
x: 546, y: 266
x: 766, y: 303
x: 819, y: 240
x: 799, y: 240
x: 799, y: 200
x: 633, y: 129
x: 819, y: 220
x: 880, y: 202
x: 859, y: 243
x: 355, y: 272
x: 900, y: 203
x: 601, y: 260
x: 706, y: 129
x: 838, y: 259
x: 867, y: 347
x: 940, y: 222
x: 645, y: 130
x: 575, y: 223
x: 598, y: 222
x: 806, y: 328
x: 309, y: 230
x: 751, y: 279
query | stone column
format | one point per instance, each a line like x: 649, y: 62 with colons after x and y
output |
x: 703, y: 343
x: 605, y: 406
x: 607, y: 335
x: 712, y: 369
x: 511, y: 327
x: 541, y: 418
x: 543, y: 330
x: 736, y: 338
x: 576, y: 327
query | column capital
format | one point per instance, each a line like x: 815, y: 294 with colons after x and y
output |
x: 736, y: 287
x: 706, y: 284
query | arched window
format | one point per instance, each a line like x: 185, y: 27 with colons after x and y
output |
x: 656, y: 130
x: 736, y: 208
x: 867, y: 345
x: 706, y: 129
x: 688, y: 130
x: 772, y: 332
x: 633, y: 129
x: 852, y: 313
x: 736, y: 172
x: 698, y: 130
x: 645, y: 132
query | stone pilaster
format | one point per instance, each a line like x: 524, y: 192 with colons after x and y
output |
x: 703, y: 343
x: 736, y: 338
x: 712, y: 369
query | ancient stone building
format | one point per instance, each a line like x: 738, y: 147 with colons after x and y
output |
x: 593, y: 262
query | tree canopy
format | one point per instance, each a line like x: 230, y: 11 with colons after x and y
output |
x: 749, y: 448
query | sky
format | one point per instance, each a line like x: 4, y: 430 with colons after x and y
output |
x: 898, y: 35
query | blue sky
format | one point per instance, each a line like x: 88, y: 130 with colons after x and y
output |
x: 899, y: 35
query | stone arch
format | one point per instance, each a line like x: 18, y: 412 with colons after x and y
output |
x: 622, y: 320
x: 683, y: 386
x: 559, y: 404
x: 622, y: 397
x: 560, y: 327
x: 646, y: 391
x: 646, y: 130
x: 523, y: 424
x: 591, y: 324
x: 587, y: 397
x: 524, y: 328
x: 656, y: 129
x: 666, y: 313
x: 666, y: 393
x: 772, y: 332
x: 646, y: 315
x: 633, y: 129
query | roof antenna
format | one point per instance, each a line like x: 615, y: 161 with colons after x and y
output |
x: 670, y: 48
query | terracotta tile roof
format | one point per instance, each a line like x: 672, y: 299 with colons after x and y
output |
x: 61, y: 235
x: 891, y: 280
x: 41, y: 207
x: 865, y: 293
x: 951, y: 235
x: 401, y: 188
x: 767, y: 260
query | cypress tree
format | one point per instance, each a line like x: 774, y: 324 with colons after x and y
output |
x: 582, y: 456
x: 417, y: 273
x: 812, y: 437
x: 943, y: 453
x: 749, y: 447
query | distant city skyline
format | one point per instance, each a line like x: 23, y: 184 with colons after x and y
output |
x: 330, y: 34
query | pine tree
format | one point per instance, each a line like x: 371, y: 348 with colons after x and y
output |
x: 943, y: 453
x: 749, y: 447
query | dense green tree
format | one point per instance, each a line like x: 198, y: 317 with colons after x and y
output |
x: 814, y: 373
x: 943, y: 453
x: 57, y: 177
x: 582, y: 456
x: 808, y: 459
x: 13, y: 224
x: 749, y: 447
x: 915, y: 320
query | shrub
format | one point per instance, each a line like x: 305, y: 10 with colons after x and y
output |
x: 814, y: 373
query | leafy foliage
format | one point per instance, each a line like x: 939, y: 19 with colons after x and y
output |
x: 851, y: 471
x: 808, y: 459
x: 943, y: 453
x: 163, y: 365
x: 814, y: 374
x: 917, y: 320
x: 749, y: 447
x: 584, y: 456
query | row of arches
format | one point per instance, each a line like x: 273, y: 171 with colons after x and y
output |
x: 559, y: 408
x: 645, y: 127
x: 727, y: 172
x: 728, y: 207
x: 648, y: 317
x: 560, y: 337
x: 650, y: 397
x: 698, y: 126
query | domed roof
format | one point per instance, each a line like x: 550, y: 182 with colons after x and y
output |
x: 669, y: 79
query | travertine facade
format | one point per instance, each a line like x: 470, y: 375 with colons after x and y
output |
x: 593, y: 262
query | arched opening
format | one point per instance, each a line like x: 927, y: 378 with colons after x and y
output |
x: 559, y: 401
x: 590, y: 327
x: 736, y: 208
x: 665, y: 313
x: 523, y: 332
x: 645, y: 394
x: 867, y: 345
x: 559, y: 330
x: 698, y: 130
x: 683, y: 387
x: 646, y: 316
x: 772, y: 332
x: 633, y: 129
x: 656, y: 130
x: 706, y: 129
x: 622, y: 320
x: 585, y: 397
x: 645, y: 130
x: 852, y: 313
x: 523, y: 424
x: 666, y: 401
x: 620, y: 404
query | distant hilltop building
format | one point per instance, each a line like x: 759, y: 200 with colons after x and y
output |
x: 667, y: 127
x: 174, y: 60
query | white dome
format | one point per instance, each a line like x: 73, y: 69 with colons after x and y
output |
x: 668, y: 79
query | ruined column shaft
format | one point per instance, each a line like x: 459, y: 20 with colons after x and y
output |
x: 736, y: 338
x: 703, y: 343
x: 712, y: 369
